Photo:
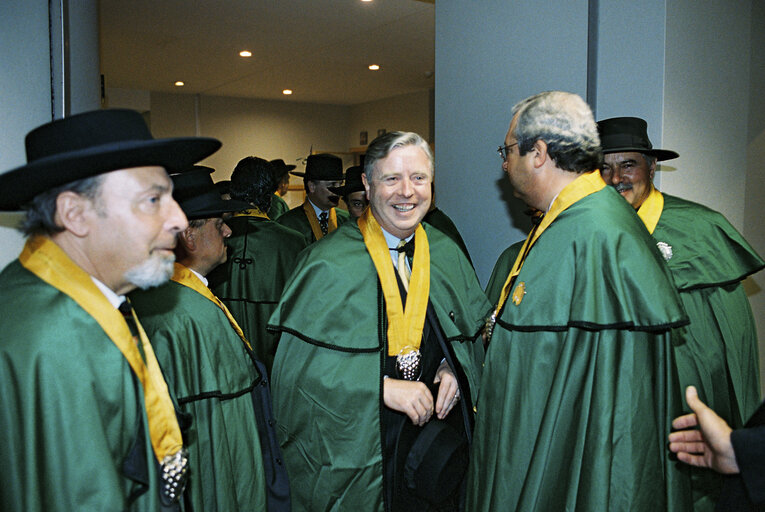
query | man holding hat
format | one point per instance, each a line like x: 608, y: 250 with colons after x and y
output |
x: 578, y: 387
x: 353, y: 192
x: 262, y: 255
x: 87, y: 419
x: 281, y: 173
x: 235, y: 462
x: 317, y: 216
x: 373, y: 391
x: 708, y: 259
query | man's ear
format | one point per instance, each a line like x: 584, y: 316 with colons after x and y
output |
x: 652, y: 170
x: 540, y: 153
x: 366, y: 185
x: 187, y: 238
x: 74, y: 213
x: 311, y: 186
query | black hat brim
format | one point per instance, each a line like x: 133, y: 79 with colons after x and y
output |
x: 660, y: 154
x: 22, y: 184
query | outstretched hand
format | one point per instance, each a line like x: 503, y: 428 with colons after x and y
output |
x: 709, y: 446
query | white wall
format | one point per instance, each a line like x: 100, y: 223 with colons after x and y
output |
x: 407, y: 112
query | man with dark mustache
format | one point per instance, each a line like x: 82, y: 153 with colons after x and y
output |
x: 318, y: 216
x: 708, y: 258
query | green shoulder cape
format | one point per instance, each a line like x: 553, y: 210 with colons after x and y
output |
x: 579, y: 385
x: 261, y: 256
x: 718, y: 351
x: 502, y: 269
x: 72, y: 410
x: 210, y: 373
x: 278, y: 207
x: 329, y: 364
x: 296, y: 219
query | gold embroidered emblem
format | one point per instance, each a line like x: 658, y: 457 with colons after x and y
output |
x: 518, y: 293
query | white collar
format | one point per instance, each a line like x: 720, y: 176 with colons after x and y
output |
x: 392, y: 242
x: 114, y: 299
x: 200, y: 276
x: 317, y: 209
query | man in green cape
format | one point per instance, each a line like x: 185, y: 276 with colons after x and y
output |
x: 281, y: 174
x: 318, y: 216
x: 577, y: 390
x: 209, y: 365
x: 708, y: 259
x: 373, y: 398
x: 86, y: 417
x: 262, y: 255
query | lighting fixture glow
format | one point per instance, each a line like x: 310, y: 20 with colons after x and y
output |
x: 287, y: 92
x: 366, y: 0
x: 374, y: 67
x: 179, y: 84
x: 245, y: 53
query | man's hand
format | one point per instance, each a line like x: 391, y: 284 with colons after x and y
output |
x: 413, y: 398
x: 709, y: 447
x: 448, y: 390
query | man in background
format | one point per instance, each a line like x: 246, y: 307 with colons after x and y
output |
x: 318, y: 214
x: 281, y: 174
x: 708, y: 259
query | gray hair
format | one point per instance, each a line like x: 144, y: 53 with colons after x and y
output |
x: 383, y: 145
x: 565, y: 123
x: 41, y: 210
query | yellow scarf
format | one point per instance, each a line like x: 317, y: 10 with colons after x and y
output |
x: 182, y: 275
x: 46, y: 260
x: 581, y: 187
x: 252, y: 212
x: 314, y: 220
x: 404, y: 327
x: 650, y: 211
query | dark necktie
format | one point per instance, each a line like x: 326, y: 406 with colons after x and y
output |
x: 324, y: 222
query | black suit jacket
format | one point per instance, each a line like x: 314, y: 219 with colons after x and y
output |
x: 746, y: 491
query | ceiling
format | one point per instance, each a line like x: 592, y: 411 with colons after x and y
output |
x: 318, y: 48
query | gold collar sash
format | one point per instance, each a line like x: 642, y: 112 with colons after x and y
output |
x: 313, y: 220
x: 650, y: 211
x: 404, y: 326
x: 581, y: 187
x: 46, y: 260
x: 183, y: 276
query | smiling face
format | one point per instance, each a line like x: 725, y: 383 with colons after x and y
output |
x: 630, y: 174
x: 399, y: 191
x: 132, y: 225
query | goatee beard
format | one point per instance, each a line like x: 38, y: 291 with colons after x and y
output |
x: 152, y: 272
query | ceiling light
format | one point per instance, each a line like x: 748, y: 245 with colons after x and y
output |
x: 366, y: 1
x: 287, y: 92
x: 179, y: 84
x: 374, y: 67
x: 245, y: 53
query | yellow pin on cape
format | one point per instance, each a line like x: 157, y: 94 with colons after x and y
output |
x: 518, y: 293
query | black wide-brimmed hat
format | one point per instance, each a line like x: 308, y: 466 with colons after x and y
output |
x: 280, y: 169
x: 324, y: 167
x: 625, y: 134
x: 353, y: 182
x: 92, y: 143
x: 198, y: 196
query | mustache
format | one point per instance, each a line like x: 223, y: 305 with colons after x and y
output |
x: 621, y: 187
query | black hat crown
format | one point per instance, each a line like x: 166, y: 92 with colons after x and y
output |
x: 627, y: 134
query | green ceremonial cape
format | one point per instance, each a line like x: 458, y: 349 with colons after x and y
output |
x: 211, y: 375
x: 577, y: 390
x: 297, y: 220
x: 717, y: 352
x: 71, y: 407
x: 328, y: 371
x: 278, y: 207
x: 261, y: 256
x: 502, y: 269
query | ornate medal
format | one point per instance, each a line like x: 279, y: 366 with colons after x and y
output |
x: 174, y: 470
x: 408, y: 364
x: 665, y: 249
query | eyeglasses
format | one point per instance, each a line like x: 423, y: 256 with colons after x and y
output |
x: 502, y: 150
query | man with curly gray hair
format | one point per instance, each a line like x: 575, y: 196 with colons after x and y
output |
x: 577, y: 386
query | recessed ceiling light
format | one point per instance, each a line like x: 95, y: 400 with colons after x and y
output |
x: 366, y: 0
x: 245, y: 53
x: 287, y: 92
x: 179, y: 84
x: 374, y: 67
